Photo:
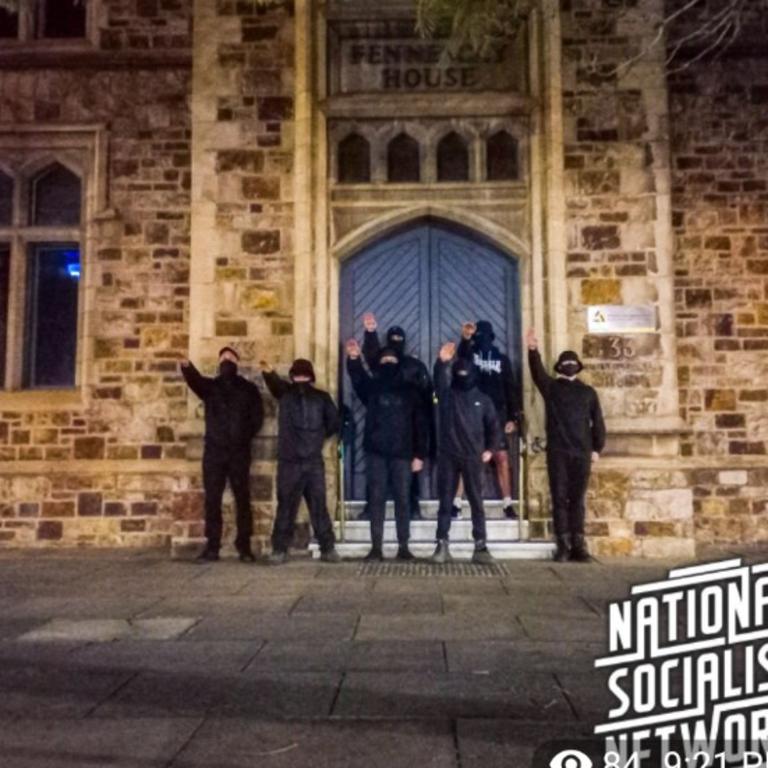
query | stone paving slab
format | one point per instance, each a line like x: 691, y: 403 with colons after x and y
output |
x: 389, y: 656
x: 511, y: 655
x: 498, y: 743
x: 253, y: 743
x: 80, y: 743
x: 458, y: 626
x: 271, y: 627
x: 105, y: 630
x: 421, y: 695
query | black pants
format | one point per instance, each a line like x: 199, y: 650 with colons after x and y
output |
x: 220, y: 465
x: 384, y: 472
x: 448, y: 470
x: 296, y: 480
x: 568, y: 480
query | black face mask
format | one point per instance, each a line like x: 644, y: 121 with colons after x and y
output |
x: 482, y: 342
x: 302, y: 387
x: 464, y: 382
x: 388, y: 372
x: 396, y: 345
x: 227, y: 369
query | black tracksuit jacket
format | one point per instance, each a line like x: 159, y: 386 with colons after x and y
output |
x: 395, y: 425
x: 468, y: 423
x: 495, y: 377
x: 307, y: 417
x: 234, y: 412
x: 574, y: 418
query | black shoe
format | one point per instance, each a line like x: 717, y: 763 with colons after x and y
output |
x: 509, y: 512
x: 563, y: 551
x: 579, y: 552
x: 374, y: 556
x: 330, y: 556
x: 364, y: 515
x: 416, y: 514
x: 278, y: 557
x: 246, y: 556
x: 481, y: 555
x: 442, y: 553
x: 403, y: 553
x: 455, y: 512
x: 209, y: 554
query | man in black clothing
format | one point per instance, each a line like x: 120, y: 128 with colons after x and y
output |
x: 575, y: 439
x: 496, y: 378
x: 395, y: 441
x: 468, y: 435
x: 415, y: 373
x: 233, y: 415
x: 306, y: 419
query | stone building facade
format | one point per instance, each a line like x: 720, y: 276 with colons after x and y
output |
x: 207, y: 140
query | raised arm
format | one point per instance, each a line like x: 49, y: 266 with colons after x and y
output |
x: 199, y: 384
x: 371, y: 343
x: 276, y: 384
x: 541, y: 378
x: 441, y: 372
x: 361, y: 380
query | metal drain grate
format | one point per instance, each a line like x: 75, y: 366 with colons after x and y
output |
x: 429, y: 570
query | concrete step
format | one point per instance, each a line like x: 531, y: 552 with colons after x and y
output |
x: 460, y: 550
x: 356, y: 531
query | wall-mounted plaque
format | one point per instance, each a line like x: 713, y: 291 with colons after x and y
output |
x: 621, y: 318
x: 389, y: 57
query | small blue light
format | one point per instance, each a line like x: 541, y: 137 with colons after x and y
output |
x: 73, y: 270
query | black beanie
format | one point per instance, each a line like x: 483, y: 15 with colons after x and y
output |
x: 302, y: 367
x: 228, y: 349
x: 568, y: 355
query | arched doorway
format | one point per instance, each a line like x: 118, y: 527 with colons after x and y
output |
x: 429, y: 278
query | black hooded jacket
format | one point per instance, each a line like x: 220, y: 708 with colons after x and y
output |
x: 467, y: 420
x: 495, y: 377
x: 306, y: 418
x: 574, y: 418
x: 395, y: 425
x: 414, y: 372
x: 233, y: 409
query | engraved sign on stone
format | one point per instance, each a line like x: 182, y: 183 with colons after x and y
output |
x: 621, y: 318
x: 389, y: 58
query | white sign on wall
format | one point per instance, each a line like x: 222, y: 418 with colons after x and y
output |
x: 621, y: 318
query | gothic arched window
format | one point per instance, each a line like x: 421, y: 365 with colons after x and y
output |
x: 501, y: 157
x: 56, y: 197
x: 354, y: 160
x: 403, y: 159
x: 452, y: 158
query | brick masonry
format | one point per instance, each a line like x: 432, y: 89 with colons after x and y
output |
x: 199, y: 253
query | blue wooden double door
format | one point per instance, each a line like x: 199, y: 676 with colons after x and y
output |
x: 429, y: 279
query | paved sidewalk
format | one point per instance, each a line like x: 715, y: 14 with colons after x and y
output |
x: 130, y: 659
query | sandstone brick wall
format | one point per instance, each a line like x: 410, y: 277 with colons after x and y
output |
x: 719, y: 111
x: 90, y: 473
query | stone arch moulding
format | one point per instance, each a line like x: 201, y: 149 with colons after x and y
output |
x: 378, y: 228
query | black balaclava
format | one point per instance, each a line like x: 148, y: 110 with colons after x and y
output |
x: 568, y: 364
x: 302, y: 367
x: 228, y: 368
x: 387, y: 372
x: 483, y: 336
x: 464, y: 375
x: 396, y: 340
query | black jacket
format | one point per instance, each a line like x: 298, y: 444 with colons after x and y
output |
x: 307, y: 417
x: 496, y: 378
x: 414, y: 372
x: 395, y: 425
x: 468, y: 423
x: 233, y: 409
x: 574, y: 419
